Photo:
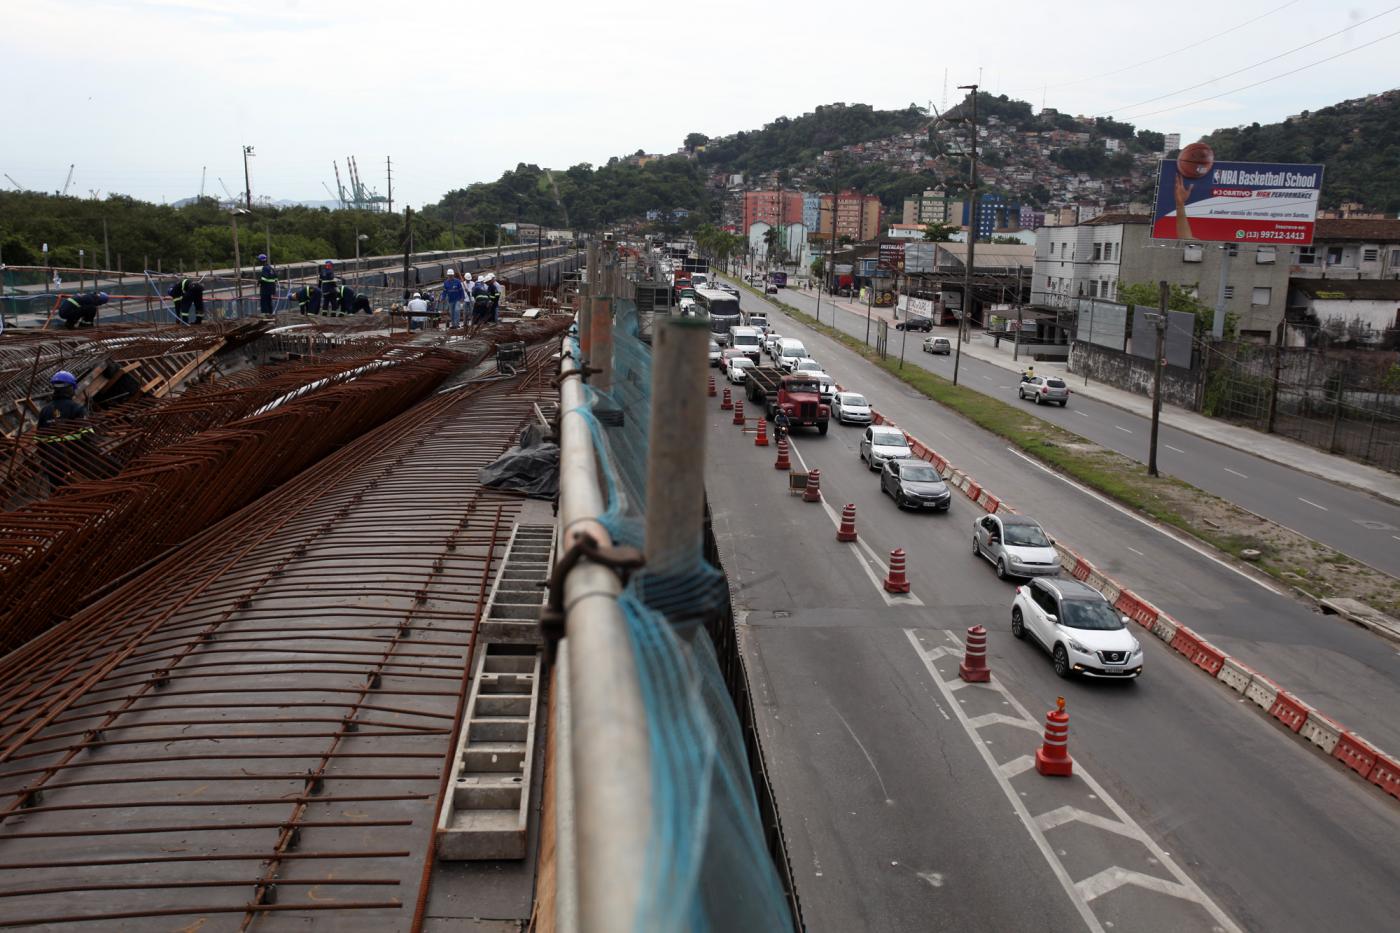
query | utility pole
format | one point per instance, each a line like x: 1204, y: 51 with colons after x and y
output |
x: 389, y: 167
x: 1016, y: 346
x: 106, y: 250
x: 407, y: 248
x: 971, y: 236
x: 1161, y: 322
x: 247, y: 184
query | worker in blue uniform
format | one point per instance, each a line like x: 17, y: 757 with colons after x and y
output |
x: 81, y: 310
x: 326, y: 282
x: 60, y: 429
x: 307, y: 299
x: 188, y: 295
x: 267, y: 285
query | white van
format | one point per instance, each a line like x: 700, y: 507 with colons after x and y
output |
x: 748, y: 339
x: 789, y: 352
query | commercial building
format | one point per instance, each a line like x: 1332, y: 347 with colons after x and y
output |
x: 932, y: 207
x: 1093, y: 259
x: 811, y: 211
x: 858, y: 216
x: 994, y: 213
x: 762, y: 207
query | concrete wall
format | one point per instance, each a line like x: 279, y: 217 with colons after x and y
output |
x: 1132, y: 374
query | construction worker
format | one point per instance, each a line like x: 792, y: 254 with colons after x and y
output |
x: 326, y: 283
x: 454, y: 293
x: 493, y: 288
x: 308, y: 299
x: 481, y: 301
x: 267, y: 284
x: 55, y: 438
x: 417, y: 311
x: 187, y: 294
x: 361, y: 305
x: 81, y: 309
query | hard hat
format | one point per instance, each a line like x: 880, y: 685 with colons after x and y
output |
x: 451, y: 272
x: 329, y: 263
x: 291, y: 296
x: 467, y: 277
x: 64, y: 378
x: 102, y: 297
x: 417, y: 295
x: 262, y: 257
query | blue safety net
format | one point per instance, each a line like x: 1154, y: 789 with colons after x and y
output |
x: 709, y: 867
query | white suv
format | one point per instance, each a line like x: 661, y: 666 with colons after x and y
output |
x: 1082, y: 632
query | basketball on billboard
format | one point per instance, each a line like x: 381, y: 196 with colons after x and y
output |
x: 1195, y: 161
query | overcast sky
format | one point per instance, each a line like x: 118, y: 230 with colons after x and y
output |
x: 141, y: 94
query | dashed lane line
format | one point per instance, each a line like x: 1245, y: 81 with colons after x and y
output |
x: 1083, y: 892
x: 1313, y: 504
x: 1235, y: 472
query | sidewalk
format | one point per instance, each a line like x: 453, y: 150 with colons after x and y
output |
x: 1267, y: 446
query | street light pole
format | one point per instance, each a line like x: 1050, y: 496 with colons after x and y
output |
x: 971, y: 236
x: 247, y: 185
x: 1161, y: 322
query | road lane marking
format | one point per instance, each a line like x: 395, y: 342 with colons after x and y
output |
x: 1134, y: 550
x: 1177, y: 449
x: 1313, y: 504
x: 1184, y: 542
x: 1123, y: 429
x: 1080, y: 413
x: 1236, y: 472
x: 877, y: 576
x: 1082, y: 892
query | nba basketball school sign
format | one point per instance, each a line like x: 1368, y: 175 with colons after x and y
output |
x: 1201, y: 199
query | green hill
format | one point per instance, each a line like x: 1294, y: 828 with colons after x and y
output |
x: 1358, y: 141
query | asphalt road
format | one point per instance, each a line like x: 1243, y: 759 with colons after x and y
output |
x: 905, y: 800
x: 1356, y: 523
x: 1344, y: 671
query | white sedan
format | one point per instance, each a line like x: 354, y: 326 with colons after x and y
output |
x: 850, y: 408
x: 735, y: 371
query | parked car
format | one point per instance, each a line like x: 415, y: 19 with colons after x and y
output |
x: 1016, y: 545
x: 714, y: 353
x: 915, y: 323
x: 915, y: 484
x: 938, y: 345
x: 883, y: 442
x: 1078, y: 626
x: 850, y: 408
x: 1042, y: 389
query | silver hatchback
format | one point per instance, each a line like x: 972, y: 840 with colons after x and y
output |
x: 1016, y: 545
x: 1043, y: 389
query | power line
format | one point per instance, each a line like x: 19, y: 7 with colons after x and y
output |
x: 1272, y: 58
x: 1255, y: 84
x: 1164, y: 55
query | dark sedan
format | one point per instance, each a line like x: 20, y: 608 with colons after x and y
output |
x: 915, y: 484
x: 916, y: 323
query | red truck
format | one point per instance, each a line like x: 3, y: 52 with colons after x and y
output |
x: 798, y: 394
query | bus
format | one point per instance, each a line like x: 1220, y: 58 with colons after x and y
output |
x: 779, y: 279
x: 722, y: 308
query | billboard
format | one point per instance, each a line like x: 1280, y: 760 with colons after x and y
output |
x: 1201, y: 199
x: 892, y: 255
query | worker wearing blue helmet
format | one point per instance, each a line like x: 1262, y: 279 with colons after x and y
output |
x: 60, y: 428
x: 81, y: 310
x: 267, y: 285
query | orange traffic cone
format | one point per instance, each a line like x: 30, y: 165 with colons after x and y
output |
x: 813, y: 492
x: 973, y: 668
x: 726, y: 403
x: 783, y: 463
x: 711, y: 392
x: 847, y: 531
x: 739, y: 412
x: 896, y: 581
x: 761, y: 438
x: 1052, y: 758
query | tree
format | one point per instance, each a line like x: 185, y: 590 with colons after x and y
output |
x: 1179, y: 298
x: 1006, y: 241
x: 818, y: 268
x: 939, y: 232
x: 694, y: 141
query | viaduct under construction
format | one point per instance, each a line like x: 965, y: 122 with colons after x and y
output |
x: 286, y: 646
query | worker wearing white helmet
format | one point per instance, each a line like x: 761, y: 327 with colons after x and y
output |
x: 454, y: 293
x: 417, y: 311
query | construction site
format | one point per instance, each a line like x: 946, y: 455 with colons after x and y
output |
x: 276, y: 655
